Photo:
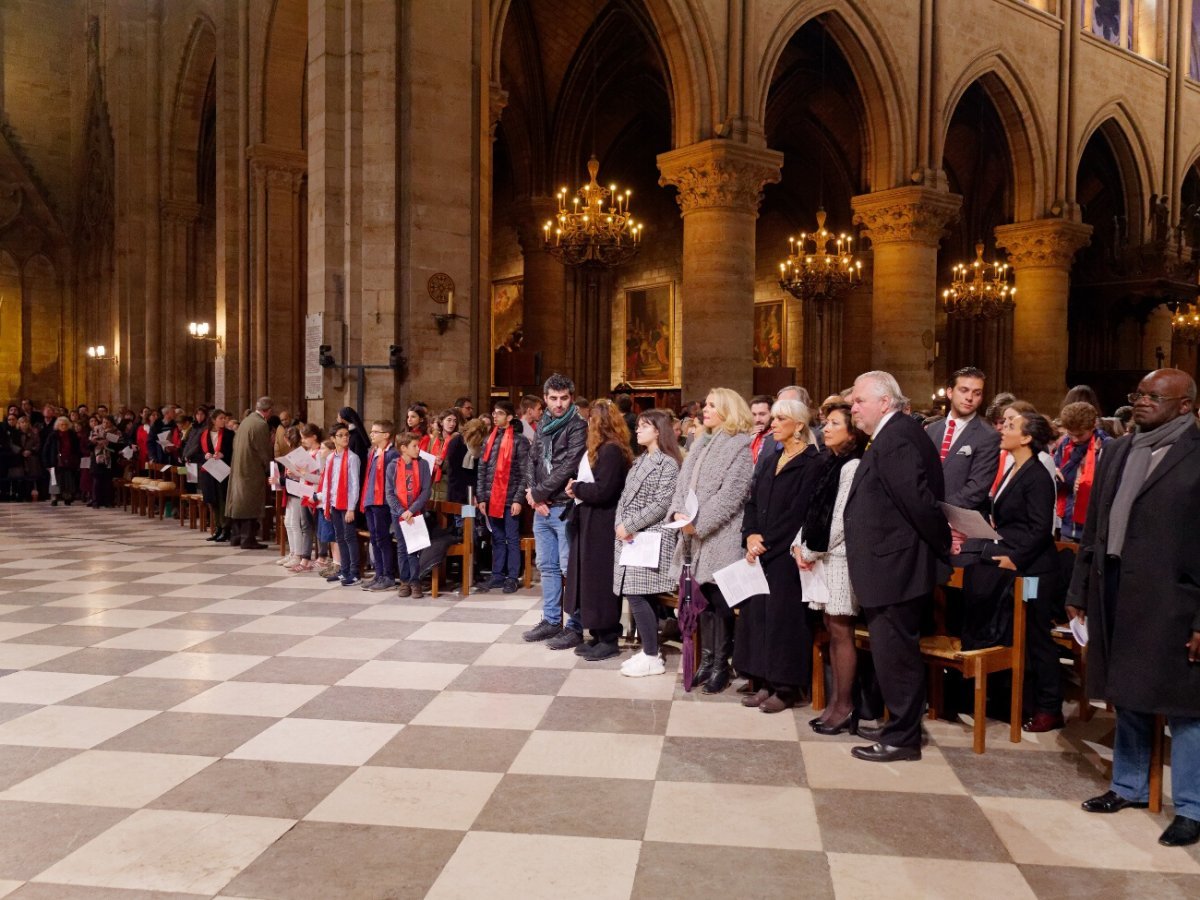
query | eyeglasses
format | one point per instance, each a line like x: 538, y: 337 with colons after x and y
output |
x: 1156, y: 399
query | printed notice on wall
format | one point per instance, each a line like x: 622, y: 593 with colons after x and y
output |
x: 313, y: 333
x: 219, y: 382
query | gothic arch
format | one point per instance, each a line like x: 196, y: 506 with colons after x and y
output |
x: 686, y: 43
x: 1022, y: 121
x: 187, y: 112
x: 1115, y: 122
x: 888, y: 145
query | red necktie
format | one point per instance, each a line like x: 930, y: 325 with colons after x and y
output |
x: 948, y: 439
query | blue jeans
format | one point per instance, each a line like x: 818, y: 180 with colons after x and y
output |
x: 378, y: 524
x: 1131, y: 760
x: 407, y: 564
x: 553, y: 551
x: 346, y: 535
x: 506, y: 546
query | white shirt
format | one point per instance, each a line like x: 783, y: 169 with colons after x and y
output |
x: 960, y: 426
x: 882, y: 422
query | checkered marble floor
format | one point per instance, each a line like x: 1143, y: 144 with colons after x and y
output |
x: 181, y: 720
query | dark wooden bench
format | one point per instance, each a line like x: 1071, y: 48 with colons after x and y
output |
x: 443, y: 512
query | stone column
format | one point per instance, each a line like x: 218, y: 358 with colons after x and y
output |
x: 905, y: 226
x: 545, y: 321
x: 720, y: 186
x: 177, y: 283
x: 1040, y: 253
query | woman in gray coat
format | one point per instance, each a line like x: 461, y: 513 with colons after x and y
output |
x: 649, y: 488
x: 718, y: 469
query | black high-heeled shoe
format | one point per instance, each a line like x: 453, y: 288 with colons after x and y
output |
x: 848, y: 724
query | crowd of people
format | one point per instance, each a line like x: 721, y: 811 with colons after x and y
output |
x: 841, y: 504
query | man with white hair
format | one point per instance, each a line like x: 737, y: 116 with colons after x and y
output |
x: 895, y: 534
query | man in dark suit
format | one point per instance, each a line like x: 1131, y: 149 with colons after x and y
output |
x: 968, y: 445
x: 895, y: 534
x: 1137, y: 582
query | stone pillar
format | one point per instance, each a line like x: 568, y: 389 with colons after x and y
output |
x: 720, y: 186
x: 1040, y: 253
x: 905, y: 226
x: 545, y: 320
x: 180, y: 381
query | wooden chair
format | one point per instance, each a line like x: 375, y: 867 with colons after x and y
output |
x: 158, y: 494
x: 364, y: 551
x: 192, y: 507
x: 528, y: 549
x: 942, y: 651
x: 444, y: 511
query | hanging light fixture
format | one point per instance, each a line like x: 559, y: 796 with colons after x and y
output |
x: 981, y: 290
x: 1186, y: 325
x: 596, y: 228
x: 820, y: 266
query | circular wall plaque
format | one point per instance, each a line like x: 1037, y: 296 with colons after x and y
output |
x: 440, y: 286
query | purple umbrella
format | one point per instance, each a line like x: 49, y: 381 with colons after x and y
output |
x: 691, y: 604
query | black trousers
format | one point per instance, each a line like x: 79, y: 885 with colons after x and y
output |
x: 896, y: 649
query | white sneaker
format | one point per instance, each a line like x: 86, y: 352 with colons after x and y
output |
x: 642, y: 664
x: 289, y: 560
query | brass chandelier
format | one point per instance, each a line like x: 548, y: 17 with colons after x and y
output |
x: 981, y: 290
x: 820, y: 266
x: 1185, y: 325
x: 597, y: 228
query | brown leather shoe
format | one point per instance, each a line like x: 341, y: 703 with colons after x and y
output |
x: 405, y: 590
x: 777, y: 703
x: 417, y: 593
x: 755, y: 699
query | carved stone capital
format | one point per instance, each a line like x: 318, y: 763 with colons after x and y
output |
x: 531, y: 218
x: 278, y: 167
x: 719, y: 174
x: 179, y: 211
x: 907, y: 214
x: 497, y: 101
x: 1043, y: 243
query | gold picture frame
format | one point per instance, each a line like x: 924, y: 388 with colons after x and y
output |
x: 770, y: 335
x: 649, y: 351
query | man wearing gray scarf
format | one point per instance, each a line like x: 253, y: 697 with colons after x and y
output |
x: 1137, y: 584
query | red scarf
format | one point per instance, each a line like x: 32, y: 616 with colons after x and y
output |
x: 377, y: 494
x: 438, y: 450
x: 1084, y: 476
x: 204, y: 440
x: 343, y: 492
x: 756, y: 446
x: 402, y: 472
x: 497, y: 501
x: 999, y: 473
x: 310, y: 502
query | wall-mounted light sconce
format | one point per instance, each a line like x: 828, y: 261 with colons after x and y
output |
x: 201, y: 331
x: 99, y: 353
x: 443, y: 320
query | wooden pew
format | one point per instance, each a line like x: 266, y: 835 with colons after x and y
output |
x: 443, y: 512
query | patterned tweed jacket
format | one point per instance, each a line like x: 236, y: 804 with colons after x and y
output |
x: 649, y: 487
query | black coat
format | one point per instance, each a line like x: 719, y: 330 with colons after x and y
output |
x: 590, y: 566
x: 213, y: 490
x: 1136, y: 634
x: 895, y: 530
x: 774, y: 641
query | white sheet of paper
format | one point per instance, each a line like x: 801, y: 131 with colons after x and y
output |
x: 416, y: 534
x: 217, y: 469
x: 1079, y: 631
x: 585, y: 473
x: 643, y: 550
x: 740, y: 581
x: 128, y: 452
x: 970, y: 522
x: 164, y: 438
x: 813, y: 585
x: 690, y: 507
x: 298, y: 461
x: 300, y: 489
x: 429, y: 458
x: 53, y: 477
x: 193, y: 472
x: 85, y: 462
x: 112, y: 437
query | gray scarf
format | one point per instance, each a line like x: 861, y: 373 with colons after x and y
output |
x: 1137, y: 469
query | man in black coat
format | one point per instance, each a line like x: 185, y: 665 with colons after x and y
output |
x: 895, y: 535
x: 1137, y: 583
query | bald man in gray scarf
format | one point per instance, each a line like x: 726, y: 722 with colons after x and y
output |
x: 1137, y: 585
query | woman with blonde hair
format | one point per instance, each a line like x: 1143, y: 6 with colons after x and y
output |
x: 590, y: 563
x: 718, y: 470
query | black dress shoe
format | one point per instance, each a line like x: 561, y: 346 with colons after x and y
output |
x: 886, y: 754
x: 1110, y: 802
x: 1182, y: 832
x: 850, y: 724
x: 870, y: 732
x: 601, y: 650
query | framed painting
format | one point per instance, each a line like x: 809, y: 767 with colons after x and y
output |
x: 650, y: 335
x: 769, y: 323
x: 508, y: 312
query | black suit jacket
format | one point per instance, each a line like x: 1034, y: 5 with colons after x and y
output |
x: 895, y: 530
x: 1023, y: 514
x: 969, y: 475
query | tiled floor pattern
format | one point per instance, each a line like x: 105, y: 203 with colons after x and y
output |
x: 179, y: 720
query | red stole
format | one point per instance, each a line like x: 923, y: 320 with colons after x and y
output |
x: 438, y: 450
x: 497, y: 500
x: 309, y: 501
x: 343, y: 492
x: 375, y: 468
x: 205, y: 440
x: 1084, y: 477
x: 999, y: 473
x: 403, y: 494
